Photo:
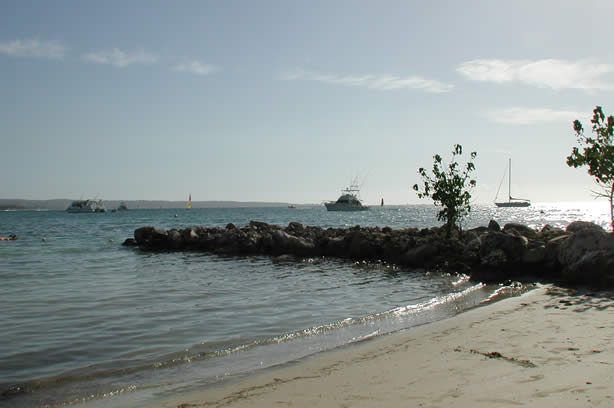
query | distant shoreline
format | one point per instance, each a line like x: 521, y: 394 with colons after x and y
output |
x: 19, y: 204
x: 62, y: 204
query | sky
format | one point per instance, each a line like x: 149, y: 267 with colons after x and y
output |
x: 291, y: 101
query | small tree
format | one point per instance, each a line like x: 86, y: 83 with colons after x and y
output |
x: 597, y: 153
x: 449, y: 188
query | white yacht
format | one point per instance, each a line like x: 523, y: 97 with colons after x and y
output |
x: 348, y: 201
x: 86, y: 206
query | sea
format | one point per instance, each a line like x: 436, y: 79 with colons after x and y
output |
x: 87, y: 322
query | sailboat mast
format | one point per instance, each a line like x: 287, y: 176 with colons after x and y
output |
x: 509, y: 179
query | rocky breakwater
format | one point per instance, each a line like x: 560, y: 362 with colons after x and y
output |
x: 582, y: 254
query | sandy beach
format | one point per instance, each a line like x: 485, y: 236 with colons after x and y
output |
x: 548, y: 348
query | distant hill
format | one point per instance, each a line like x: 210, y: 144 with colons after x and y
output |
x: 62, y: 204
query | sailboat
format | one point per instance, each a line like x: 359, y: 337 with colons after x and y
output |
x: 189, y: 204
x: 511, y: 202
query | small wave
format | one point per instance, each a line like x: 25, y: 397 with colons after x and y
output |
x: 507, y: 290
x: 365, y: 337
x: 439, y: 300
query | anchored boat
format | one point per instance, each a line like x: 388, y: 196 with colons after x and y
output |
x: 511, y: 202
x: 86, y: 206
x: 348, y: 201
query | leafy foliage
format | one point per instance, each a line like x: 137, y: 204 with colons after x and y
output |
x: 597, y: 153
x: 449, y: 188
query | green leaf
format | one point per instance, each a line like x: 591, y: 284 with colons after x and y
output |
x: 449, y: 187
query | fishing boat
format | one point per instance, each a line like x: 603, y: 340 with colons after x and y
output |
x: 86, y: 206
x: 122, y: 206
x: 511, y: 202
x: 348, y: 201
x: 189, y: 204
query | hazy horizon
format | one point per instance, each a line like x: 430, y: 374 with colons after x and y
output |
x: 598, y: 202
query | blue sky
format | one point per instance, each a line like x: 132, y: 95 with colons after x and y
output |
x: 289, y: 101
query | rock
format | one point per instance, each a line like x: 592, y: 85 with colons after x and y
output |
x: 150, y: 237
x: 266, y: 242
x: 607, y: 241
x: 334, y: 246
x: 420, y: 255
x: 286, y: 258
x: 495, y: 258
x: 521, y: 229
x: 547, y: 228
x: 580, y: 225
x: 494, y: 225
x: 295, y: 228
x: 474, y: 245
x: 259, y: 225
x: 513, y: 246
x: 285, y: 242
x: 365, y: 245
x: 535, y: 255
x: 130, y: 242
x: 578, y: 244
x: 175, y: 239
x: 190, y: 236
x: 552, y: 250
x: 469, y: 236
x: 582, y: 255
x: 471, y: 251
x: 594, y: 268
x: 478, y: 230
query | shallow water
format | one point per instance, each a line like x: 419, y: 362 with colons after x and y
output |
x: 85, y: 319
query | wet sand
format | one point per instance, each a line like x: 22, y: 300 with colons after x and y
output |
x: 548, y: 348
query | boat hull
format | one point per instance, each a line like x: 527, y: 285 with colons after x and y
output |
x: 80, y: 210
x: 344, y: 207
x: 513, y: 204
x: 86, y: 206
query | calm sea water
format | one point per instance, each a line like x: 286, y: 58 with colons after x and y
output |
x: 87, y: 320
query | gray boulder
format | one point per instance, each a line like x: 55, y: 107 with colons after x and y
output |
x: 547, y: 228
x: 175, y: 239
x: 587, y: 257
x: 513, y: 246
x: 521, y: 229
x: 535, y: 255
x: 420, y: 255
x: 581, y: 225
x: 150, y: 236
x: 495, y: 258
x: 579, y: 243
x: 190, y: 236
x: 494, y: 225
x: 285, y: 242
x: 595, y: 268
x: 334, y: 246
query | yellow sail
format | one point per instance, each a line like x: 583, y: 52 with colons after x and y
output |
x: 189, y: 205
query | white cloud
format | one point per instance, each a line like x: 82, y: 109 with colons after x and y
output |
x: 33, y: 48
x: 378, y: 82
x: 119, y: 58
x: 196, y: 67
x: 530, y: 116
x: 546, y: 73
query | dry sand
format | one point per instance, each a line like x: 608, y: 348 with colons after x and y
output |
x: 547, y: 348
